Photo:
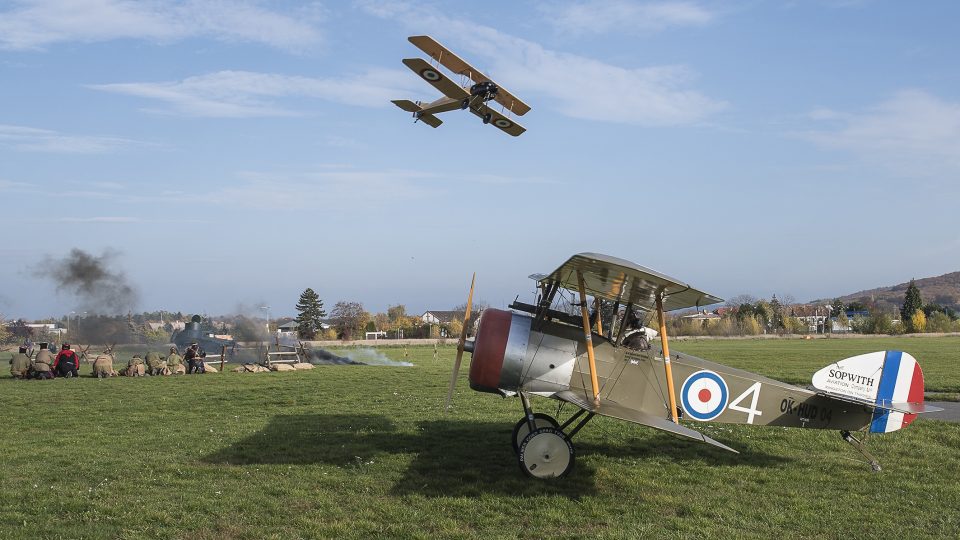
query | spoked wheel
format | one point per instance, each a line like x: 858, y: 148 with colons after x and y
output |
x: 521, y: 429
x: 546, y: 453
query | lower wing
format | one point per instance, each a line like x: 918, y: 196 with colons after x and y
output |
x: 498, y: 120
x: 613, y: 409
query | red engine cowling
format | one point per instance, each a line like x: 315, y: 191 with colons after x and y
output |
x: 498, y: 351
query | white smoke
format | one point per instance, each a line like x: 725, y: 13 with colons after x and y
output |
x: 372, y: 357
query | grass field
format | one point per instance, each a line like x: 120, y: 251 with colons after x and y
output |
x: 365, y: 452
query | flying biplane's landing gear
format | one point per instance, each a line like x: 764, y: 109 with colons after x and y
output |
x: 522, y: 428
x: 487, y: 117
x: 546, y: 453
x: 862, y: 448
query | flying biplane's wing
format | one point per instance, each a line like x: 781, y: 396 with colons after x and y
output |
x: 498, y: 120
x: 457, y: 65
x: 605, y: 407
x: 611, y: 278
x: 433, y: 76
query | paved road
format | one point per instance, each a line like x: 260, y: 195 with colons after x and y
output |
x: 950, y: 412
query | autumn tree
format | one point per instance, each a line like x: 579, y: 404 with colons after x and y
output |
x: 912, y: 302
x: 349, y: 318
x: 309, y: 312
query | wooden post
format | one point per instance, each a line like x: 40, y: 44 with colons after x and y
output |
x: 666, y: 358
x: 586, y: 334
x: 223, y: 353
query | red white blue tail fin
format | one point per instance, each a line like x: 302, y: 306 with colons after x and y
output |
x: 890, y: 381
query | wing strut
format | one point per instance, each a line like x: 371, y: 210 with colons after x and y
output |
x: 586, y: 335
x: 666, y: 357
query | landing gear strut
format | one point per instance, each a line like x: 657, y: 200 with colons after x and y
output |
x: 543, y: 447
x: 862, y: 448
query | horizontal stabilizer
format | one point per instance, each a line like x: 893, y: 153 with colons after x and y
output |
x: 605, y: 407
x: 406, y: 105
x: 905, y: 407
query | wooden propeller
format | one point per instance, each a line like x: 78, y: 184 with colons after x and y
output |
x: 460, y: 344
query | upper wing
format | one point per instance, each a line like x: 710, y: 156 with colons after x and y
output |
x: 457, y: 65
x: 498, y: 120
x: 605, y: 407
x: 433, y: 76
x: 611, y: 278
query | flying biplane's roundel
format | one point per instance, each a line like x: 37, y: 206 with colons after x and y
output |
x: 704, y: 395
x: 430, y: 75
x: 503, y: 123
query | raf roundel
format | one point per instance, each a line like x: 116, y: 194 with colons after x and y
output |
x: 430, y: 75
x: 704, y: 395
x: 502, y: 123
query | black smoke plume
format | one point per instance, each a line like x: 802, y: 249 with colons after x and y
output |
x: 98, y: 286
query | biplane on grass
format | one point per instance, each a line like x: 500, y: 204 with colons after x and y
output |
x: 473, y: 92
x: 609, y: 368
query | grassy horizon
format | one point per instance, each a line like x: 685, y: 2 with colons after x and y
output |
x: 366, y: 451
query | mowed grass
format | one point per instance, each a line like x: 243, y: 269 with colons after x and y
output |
x: 366, y: 452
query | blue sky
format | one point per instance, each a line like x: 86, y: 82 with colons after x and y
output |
x: 236, y: 152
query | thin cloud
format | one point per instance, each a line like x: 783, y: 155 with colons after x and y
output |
x: 599, y: 16
x: 28, y: 139
x: 913, y: 132
x: 245, y: 94
x: 100, y: 219
x: 35, y: 24
x: 575, y: 85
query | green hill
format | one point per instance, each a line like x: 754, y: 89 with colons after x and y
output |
x: 943, y: 290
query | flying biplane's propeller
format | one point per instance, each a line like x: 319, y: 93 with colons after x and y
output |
x: 461, y: 344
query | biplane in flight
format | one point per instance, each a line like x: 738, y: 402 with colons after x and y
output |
x: 604, y: 367
x: 474, y: 91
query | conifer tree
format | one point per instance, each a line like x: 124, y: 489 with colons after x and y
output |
x: 912, y: 302
x: 310, y: 311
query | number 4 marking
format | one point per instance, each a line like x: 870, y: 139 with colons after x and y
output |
x: 752, y: 411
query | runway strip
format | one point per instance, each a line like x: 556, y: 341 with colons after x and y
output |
x: 950, y: 412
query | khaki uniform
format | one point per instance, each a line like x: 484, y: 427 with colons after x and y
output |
x: 156, y: 364
x: 135, y: 367
x: 20, y: 366
x: 42, y: 365
x: 174, y: 360
x: 103, y: 366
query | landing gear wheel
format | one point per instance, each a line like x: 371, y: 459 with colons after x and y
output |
x: 546, y: 453
x: 487, y: 117
x: 465, y: 103
x: 521, y: 429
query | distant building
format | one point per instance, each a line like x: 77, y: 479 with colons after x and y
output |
x: 704, y: 316
x: 440, y: 317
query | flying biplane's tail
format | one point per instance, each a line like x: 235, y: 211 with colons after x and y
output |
x: 889, y: 381
x: 412, y: 107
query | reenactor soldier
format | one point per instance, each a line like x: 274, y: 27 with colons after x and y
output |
x: 67, y: 362
x: 156, y: 365
x: 20, y: 364
x: 103, y: 366
x: 42, y: 365
x: 194, y: 357
x: 135, y: 367
x: 175, y: 361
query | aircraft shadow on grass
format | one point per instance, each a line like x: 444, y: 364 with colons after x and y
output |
x: 451, y: 457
